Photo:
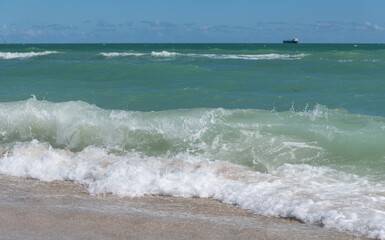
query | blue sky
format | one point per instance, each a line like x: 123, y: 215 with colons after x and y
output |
x: 72, y: 21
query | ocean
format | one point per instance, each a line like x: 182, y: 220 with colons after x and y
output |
x: 285, y: 130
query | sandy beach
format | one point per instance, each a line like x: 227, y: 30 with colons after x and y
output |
x: 31, y: 209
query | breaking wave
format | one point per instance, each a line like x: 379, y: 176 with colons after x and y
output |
x: 165, y: 54
x: 117, y: 54
x: 21, y: 55
x: 300, y: 165
x: 271, y: 56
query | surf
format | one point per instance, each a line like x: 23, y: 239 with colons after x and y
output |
x: 167, y: 54
x: 293, y: 164
x: 23, y: 55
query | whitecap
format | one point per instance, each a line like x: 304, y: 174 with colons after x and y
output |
x: 21, y: 55
x: 123, y: 54
x: 164, y: 54
x: 271, y: 56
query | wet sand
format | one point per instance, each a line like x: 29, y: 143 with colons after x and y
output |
x: 31, y: 209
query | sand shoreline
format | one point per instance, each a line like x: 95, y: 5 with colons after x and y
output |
x: 31, y: 209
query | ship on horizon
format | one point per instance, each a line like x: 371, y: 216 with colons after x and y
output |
x: 294, y: 40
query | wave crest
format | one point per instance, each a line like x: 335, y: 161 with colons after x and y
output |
x: 271, y: 56
x: 117, y: 54
x: 295, y: 164
x: 21, y: 55
x: 165, y: 54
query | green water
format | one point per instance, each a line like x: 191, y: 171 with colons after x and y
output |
x: 336, y: 90
x: 344, y: 76
x: 287, y: 130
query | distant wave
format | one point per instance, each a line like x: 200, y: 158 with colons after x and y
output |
x: 117, y: 54
x: 345, y: 60
x: 13, y: 55
x: 164, y: 54
x: 271, y: 56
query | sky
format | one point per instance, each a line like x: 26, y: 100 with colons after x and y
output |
x: 179, y: 21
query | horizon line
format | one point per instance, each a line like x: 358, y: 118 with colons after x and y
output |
x: 7, y: 43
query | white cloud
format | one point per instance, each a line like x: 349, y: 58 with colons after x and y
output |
x: 369, y: 25
x: 378, y: 27
x: 31, y: 32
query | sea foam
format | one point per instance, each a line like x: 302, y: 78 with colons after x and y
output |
x: 21, y: 55
x: 166, y: 54
x: 117, y: 54
x: 250, y: 158
x: 317, y: 195
x: 271, y: 56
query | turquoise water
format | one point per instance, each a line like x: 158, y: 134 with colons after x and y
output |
x: 338, y: 76
x: 292, y: 131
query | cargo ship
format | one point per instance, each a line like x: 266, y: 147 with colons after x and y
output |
x: 294, y: 40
